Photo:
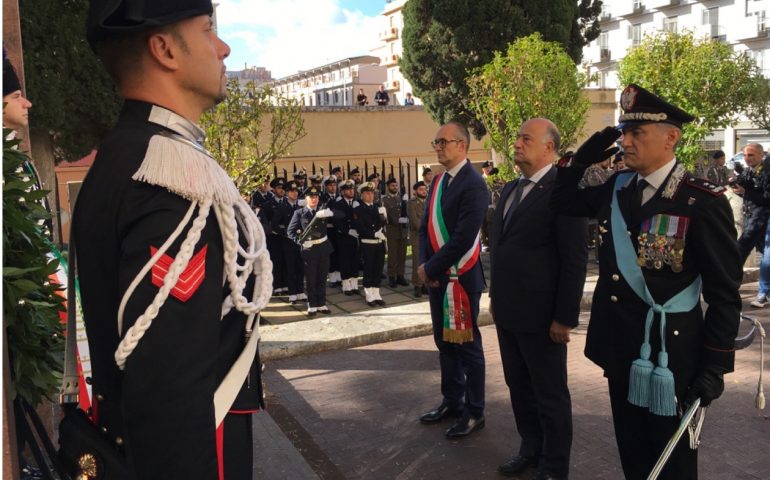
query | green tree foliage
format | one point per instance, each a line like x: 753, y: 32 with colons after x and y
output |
x: 758, y: 110
x: 705, y: 78
x: 534, y: 78
x: 445, y: 39
x: 74, y: 101
x: 250, y: 129
x: 31, y: 305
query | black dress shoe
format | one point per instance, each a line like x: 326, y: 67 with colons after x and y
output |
x: 439, y: 413
x: 380, y: 302
x: 371, y: 304
x: 312, y: 314
x: 417, y: 292
x: 402, y: 281
x: 325, y: 311
x: 541, y: 475
x: 465, y: 426
x: 392, y: 282
x: 516, y: 465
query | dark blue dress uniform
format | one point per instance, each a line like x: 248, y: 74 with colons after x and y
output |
x: 315, y: 256
x: 274, y: 242
x: 343, y: 224
x: 161, y: 405
x: 756, y: 208
x: 684, y: 232
x: 367, y: 221
x: 326, y: 201
x: 290, y: 251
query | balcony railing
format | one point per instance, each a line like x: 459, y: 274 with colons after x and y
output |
x: 393, y: 85
x: 389, y: 34
x: 391, y: 60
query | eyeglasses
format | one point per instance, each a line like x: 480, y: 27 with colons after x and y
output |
x: 441, y: 142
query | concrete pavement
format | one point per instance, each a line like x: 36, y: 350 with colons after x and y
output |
x: 351, y: 412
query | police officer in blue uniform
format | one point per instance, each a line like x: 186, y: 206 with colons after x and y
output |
x: 665, y: 237
x: 308, y: 229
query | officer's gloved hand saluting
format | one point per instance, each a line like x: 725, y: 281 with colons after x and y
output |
x: 597, y: 148
x: 708, y: 386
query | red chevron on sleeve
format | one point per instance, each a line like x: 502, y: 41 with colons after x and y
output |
x: 190, y: 279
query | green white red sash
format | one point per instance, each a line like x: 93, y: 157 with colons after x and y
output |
x: 458, y: 326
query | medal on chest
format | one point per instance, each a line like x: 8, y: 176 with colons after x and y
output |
x: 661, y: 242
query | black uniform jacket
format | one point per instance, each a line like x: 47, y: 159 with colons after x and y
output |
x: 343, y: 215
x: 616, y: 328
x: 538, y: 262
x: 162, y: 403
x: 300, y: 222
x: 367, y: 220
x: 282, y: 214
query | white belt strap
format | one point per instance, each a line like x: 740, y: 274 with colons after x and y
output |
x: 371, y: 241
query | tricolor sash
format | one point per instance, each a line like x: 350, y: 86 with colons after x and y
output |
x: 458, y: 327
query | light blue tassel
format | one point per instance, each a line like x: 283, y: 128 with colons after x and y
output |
x: 641, y: 370
x: 663, y: 394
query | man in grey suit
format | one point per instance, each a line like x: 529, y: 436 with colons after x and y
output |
x: 537, y: 276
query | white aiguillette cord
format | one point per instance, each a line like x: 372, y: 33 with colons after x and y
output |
x: 225, y: 395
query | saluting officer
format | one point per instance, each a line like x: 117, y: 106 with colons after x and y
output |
x: 167, y: 301
x: 369, y: 220
x: 347, y: 237
x: 274, y: 242
x: 396, y: 230
x: 328, y: 197
x: 311, y: 236
x: 290, y: 250
x: 665, y: 238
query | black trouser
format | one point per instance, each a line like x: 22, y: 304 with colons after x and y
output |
x: 334, y: 264
x: 535, y: 371
x: 462, y: 364
x: 293, y: 263
x: 753, y: 236
x: 316, y: 262
x: 374, y: 260
x: 347, y: 247
x: 279, y: 266
x: 642, y: 436
x: 238, y: 451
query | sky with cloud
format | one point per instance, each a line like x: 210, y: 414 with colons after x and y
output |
x: 286, y: 36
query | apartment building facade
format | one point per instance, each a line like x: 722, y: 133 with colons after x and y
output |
x: 743, y: 24
x: 335, y: 84
x: 390, y: 51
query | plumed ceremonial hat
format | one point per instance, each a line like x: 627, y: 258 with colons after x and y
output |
x: 418, y: 185
x: 391, y: 180
x: 355, y: 170
x: 641, y: 106
x: 10, y: 79
x: 373, y: 176
x: 116, y: 18
x: 336, y: 169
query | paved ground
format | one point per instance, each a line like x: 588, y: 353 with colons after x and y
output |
x: 352, y: 414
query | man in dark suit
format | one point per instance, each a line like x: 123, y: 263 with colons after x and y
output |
x: 537, y: 277
x: 665, y: 238
x: 450, y: 266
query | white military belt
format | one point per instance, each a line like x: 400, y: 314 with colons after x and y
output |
x: 317, y: 241
x: 371, y: 241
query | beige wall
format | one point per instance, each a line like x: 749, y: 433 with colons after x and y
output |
x: 374, y: 134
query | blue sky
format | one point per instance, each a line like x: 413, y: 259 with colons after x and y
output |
x: 285, y: 36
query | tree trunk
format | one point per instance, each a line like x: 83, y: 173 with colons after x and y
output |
x: 43, y: 158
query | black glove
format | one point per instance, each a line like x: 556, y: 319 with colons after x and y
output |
x: 707, y: 386
x: 597, y: 148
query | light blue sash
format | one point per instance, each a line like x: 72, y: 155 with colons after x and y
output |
x: 649, y: 386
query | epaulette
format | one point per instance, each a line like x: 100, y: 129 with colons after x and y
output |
x: 706, y: 186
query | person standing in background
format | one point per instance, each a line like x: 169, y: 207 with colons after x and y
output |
x: 415, y: 207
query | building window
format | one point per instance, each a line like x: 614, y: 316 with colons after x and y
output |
x: 336, y: 98
x: 670, y: 24
x: 635, y: 33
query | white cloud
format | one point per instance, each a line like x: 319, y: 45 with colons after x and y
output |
x: 286, y: 36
